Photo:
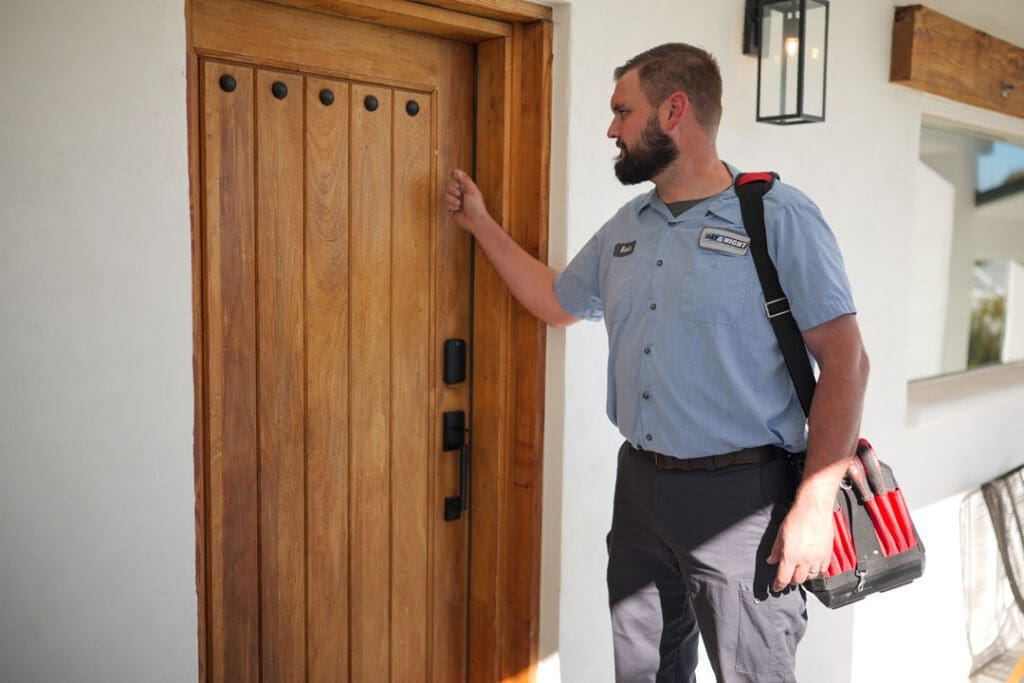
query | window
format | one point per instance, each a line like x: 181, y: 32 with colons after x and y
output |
x: 967, y: 256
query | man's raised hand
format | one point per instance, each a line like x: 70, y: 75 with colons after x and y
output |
x: 464, y: 201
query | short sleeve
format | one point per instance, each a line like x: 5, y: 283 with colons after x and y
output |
x: 807, y: 257
x: 577, y: 288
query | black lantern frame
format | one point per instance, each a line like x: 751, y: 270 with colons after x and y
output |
x: 753, y: 45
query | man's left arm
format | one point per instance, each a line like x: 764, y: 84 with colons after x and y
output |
x: 804, y: 541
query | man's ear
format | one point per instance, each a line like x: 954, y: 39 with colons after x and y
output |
x: 674, y: 108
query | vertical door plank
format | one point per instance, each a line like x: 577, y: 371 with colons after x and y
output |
x: 327, y: 334
x: 281, y: 375
x: 230, y: 343
x: 411, y: 380
x: 369, y: 383
x: 453, y: 258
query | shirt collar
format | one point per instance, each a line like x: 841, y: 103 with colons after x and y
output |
x: 724, y: 204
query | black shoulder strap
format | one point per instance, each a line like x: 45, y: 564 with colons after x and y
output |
x: 751, y: 188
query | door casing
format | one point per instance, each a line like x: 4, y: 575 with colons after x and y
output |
x: 513, y: 111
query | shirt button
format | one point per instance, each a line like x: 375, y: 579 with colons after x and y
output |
x: 647, y: 394
x: 653, y: 306
x: 647, y: 349
x: 648, y: 437
x: 659, y: 263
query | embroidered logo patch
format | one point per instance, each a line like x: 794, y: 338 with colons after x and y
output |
x: 624, y: 248
x: 725, y: 241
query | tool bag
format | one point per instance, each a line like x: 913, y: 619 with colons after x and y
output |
x: 875, y: 546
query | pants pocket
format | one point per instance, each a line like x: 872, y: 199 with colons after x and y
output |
x: 778, y: 482
x: 759, y: 640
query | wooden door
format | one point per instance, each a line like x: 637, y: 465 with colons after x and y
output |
x: 331, y: 280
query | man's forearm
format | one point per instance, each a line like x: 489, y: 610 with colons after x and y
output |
x: 834, y: 427
x: 530, y: 281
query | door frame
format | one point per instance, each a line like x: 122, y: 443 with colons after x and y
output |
x: 513, y: 40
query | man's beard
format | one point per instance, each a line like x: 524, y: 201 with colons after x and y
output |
x: 653, y: 153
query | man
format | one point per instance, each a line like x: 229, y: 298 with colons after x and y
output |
x: 708, y: 532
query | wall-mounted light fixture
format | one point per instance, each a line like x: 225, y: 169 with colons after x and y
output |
x: 790, y: 39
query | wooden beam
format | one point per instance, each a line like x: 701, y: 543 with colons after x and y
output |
x: 939, y: 55
x: 409, y: 16
x: 503, y: 10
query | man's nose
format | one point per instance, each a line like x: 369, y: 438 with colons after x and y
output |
x: 612, y: 132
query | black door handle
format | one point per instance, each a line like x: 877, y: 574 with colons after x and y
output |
x: 455, y: 505
x: 454, y: 438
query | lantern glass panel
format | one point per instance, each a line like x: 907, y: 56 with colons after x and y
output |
x: 814, y: 59
x: 780, y: 58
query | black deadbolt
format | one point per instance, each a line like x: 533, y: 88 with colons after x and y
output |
x: 454, y: 361
x: 227, y: 83
x: 327, y: 97
x: 279, y: 89
x: 371, y: 103
x: 413, y: 107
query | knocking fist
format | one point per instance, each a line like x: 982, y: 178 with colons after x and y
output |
x: 464, y: 201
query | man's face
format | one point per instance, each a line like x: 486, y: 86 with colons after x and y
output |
x: 645, y: 150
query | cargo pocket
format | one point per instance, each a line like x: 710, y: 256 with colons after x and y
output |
x: 759, y: 635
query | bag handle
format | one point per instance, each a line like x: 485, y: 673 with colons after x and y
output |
x: 751, y: 188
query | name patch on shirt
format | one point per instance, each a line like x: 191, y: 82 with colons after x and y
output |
x: 725, y: 241
x: 624, y: 248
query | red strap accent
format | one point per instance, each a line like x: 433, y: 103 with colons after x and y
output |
x: 755, y: 177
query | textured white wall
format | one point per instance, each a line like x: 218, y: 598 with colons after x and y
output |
x: 97, y: 527
x: 860, y: 167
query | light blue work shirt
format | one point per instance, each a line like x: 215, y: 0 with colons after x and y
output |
x: 694, y: 368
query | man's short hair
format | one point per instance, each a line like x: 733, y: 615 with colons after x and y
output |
x: 673, y: 67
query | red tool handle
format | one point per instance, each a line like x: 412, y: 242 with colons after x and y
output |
x: 872, y: 467
x: 860, y: 484
x: 849, y: 557
x: 885, y: 538
x: 903, y: 515
x: 876, y: 479
x: 834, y: 566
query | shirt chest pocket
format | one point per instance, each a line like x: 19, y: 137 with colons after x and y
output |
x: 619, y: 283
x: 718, y: 288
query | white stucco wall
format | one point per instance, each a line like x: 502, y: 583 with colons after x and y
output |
x: 97, y: 524
x: 861, y: 168
x: 97, y: 574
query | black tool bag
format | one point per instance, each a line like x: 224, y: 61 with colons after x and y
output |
x: 876, y: 547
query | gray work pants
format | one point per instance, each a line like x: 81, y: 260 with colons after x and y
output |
x: 687, y: 552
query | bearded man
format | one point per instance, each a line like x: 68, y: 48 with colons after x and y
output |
x: 711, y: 534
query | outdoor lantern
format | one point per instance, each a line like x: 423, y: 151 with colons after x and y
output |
x: 790, y: 39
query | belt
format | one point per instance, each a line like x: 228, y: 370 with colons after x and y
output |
x: 710, y: 463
